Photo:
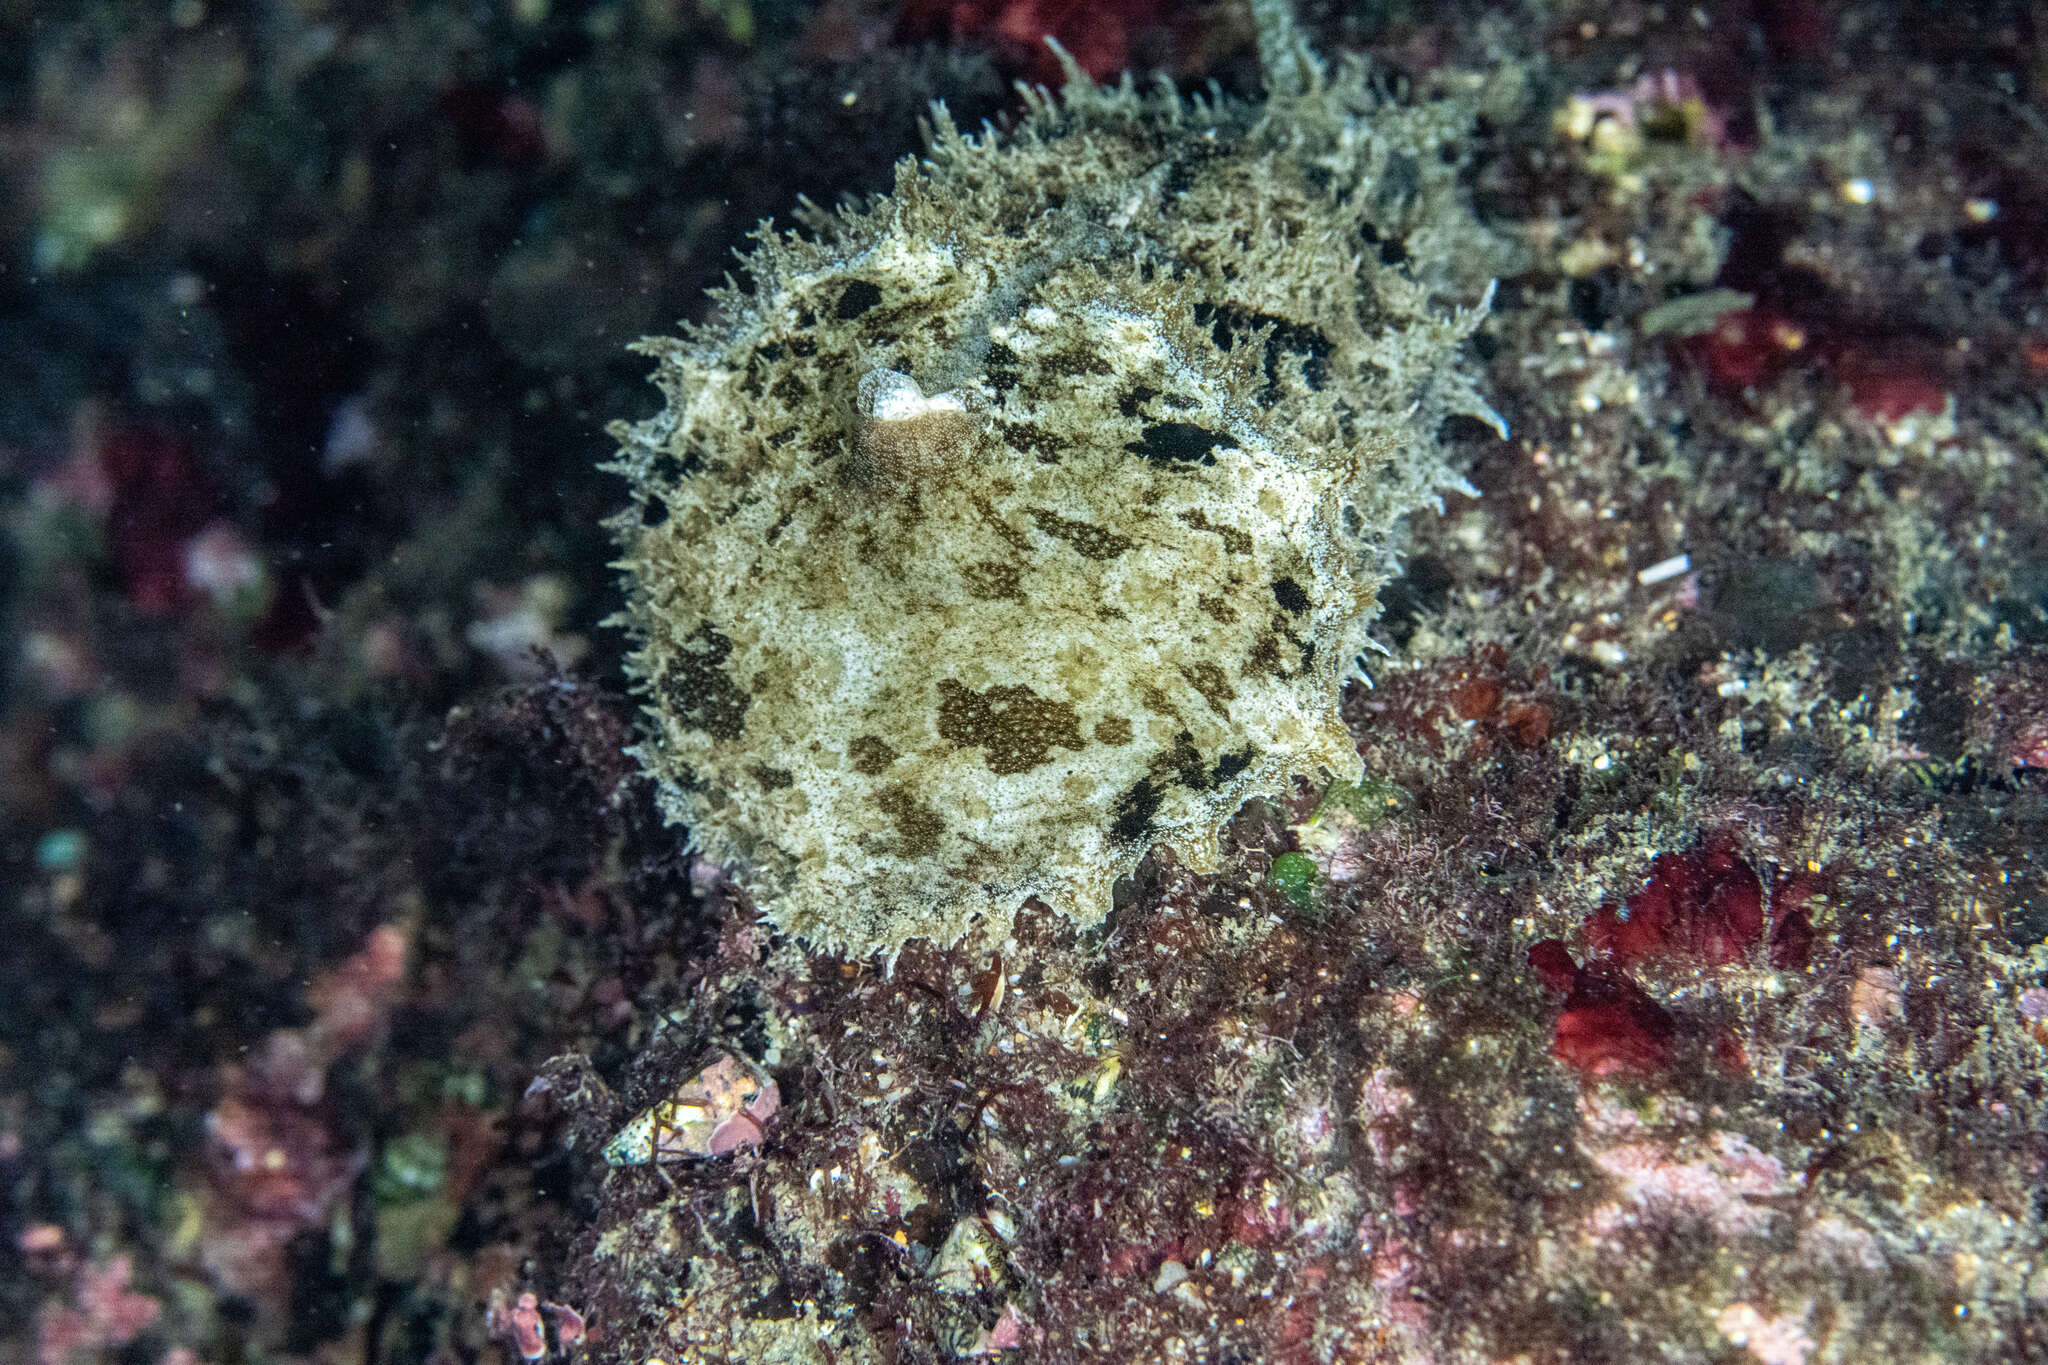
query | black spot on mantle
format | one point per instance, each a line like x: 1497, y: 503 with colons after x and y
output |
x: 1289, y: 595
x: 856, y: 299
x: 1230, y: 765
x: 1134, y: 812
x: 1182, y: 442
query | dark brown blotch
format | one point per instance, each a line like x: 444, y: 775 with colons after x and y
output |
x: 917, y: 824
x: 993, y: 519
x: 1088, y: 540
x: 1016, y: 729
x: 1184, y: 761
x: 1209, y: 679
x: 1040, y: 444
x: 991, y: 580
x: 1113, y: 730
x: 698, y: 691
x: 1234, y: 540
x: 870, y: 755
x: 1075, y: 361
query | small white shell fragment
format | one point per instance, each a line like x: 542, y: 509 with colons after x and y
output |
x: 1663, y: 569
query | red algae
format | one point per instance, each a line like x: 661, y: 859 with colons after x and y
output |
x: 1704, y: 906
x: 1101, y: 37
x: 1700, y: 908
x: 278, y: 1157
x: 1554, y: 965
x: 1476, y: 696
x: 1609, y: 1026
x: 1791, y: 924
x: 494, y: 127
x: 161, y: 499
x: 1748, y: 348
x: 1892, y: 386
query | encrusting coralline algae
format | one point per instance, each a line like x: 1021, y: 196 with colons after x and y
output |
x: 1033, y: 513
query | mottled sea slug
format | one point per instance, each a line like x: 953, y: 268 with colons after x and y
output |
x: 1032, y: 514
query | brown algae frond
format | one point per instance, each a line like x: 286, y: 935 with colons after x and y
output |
x: 1033, y: 513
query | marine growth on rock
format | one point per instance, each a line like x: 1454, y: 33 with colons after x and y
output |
x: 1033, y: 513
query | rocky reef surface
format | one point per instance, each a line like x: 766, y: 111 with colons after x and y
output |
x: 1671, y: 985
